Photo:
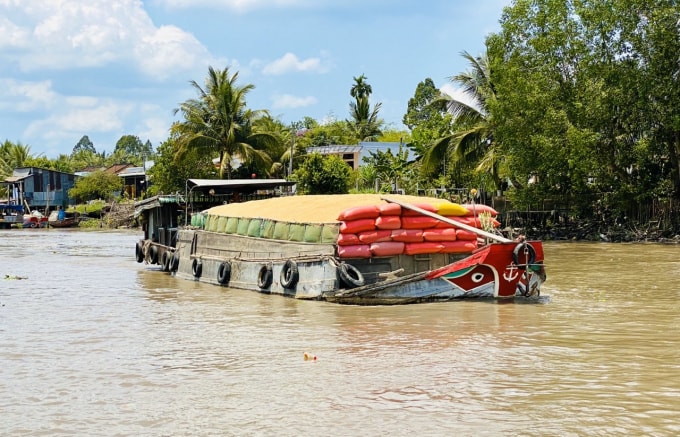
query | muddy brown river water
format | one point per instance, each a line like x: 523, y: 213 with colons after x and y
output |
x: 92, y: 343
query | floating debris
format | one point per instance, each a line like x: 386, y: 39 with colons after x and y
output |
x: 309, y: 357
x: 15, y: 277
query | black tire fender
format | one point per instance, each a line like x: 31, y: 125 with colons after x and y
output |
x: 265, y: 277
x: 166, y: 260
x: 174, y: 263
x: 350, y: 275
x: 290, y: 275
x: 153, y: 254
x: 196, y: 267
x: 523, y: 248
x: 139, y: 252
x: 224, y: 273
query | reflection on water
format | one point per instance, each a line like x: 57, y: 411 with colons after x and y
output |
x: 93, y: 343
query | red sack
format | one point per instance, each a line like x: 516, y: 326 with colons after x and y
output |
x: 387, y: 248
x: 388, y: 222
x: 458, y: 246
x: 359, y: 212
x: 407, y: 235
x: 357, y: 251
x: 444, y: 234
x: 389, y: 209
x: 425, y: 247
x: 426, y: 206
x: 356, y: 226
x: 419, y: 222
x: 369, y: 237
x: 348, y: 239
x: 462, y: 234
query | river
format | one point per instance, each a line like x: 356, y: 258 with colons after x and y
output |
x: 93, y: 343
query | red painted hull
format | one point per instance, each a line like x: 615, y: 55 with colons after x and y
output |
x: 505, y: 268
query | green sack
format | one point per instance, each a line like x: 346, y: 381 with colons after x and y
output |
x: 281, y: 230
x: 243, y: 224
x: 329, y: 233
x: 268, y: 227
x: 232, y: 225
x: 255, y: 228
x: 312, y: 233
x: 296, y: 232
x: 222, y: 224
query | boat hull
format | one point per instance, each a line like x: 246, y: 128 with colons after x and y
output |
x: 313, y: 271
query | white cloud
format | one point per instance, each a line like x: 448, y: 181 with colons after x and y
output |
x: 26, y: 96
x: 65, y: 34
x: 235, y: 5
x: 104, y: 117
x: 12, y: 35
x: 290, y: 62
x: 287, y: 101
x: 168, y: 49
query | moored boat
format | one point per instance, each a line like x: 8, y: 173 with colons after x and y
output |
x: 353, y: 249
x: 56, y: 220
x: 34, y: 220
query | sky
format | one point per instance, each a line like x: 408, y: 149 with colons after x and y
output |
x: 108, y: 68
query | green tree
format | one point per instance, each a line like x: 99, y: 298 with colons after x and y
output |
x: 472, y: 141
x: 87, y: 158
x: 169, y: 175
x: 130, y: 149
x: 83, y: 144
x: 365, y: 122
x: 331, y: 132
x: 219, y: 122
x: 14, y: 155
x: 426, y: 117
x: 96, y: 185
x: 323, y: 175
x: 588, y: 97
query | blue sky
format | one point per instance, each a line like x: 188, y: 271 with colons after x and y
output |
x: 107, y: 68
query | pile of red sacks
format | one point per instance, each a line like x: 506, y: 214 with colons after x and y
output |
x: 389, y: 230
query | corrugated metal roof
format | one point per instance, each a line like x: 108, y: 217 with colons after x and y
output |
x: 334, y: 148
x: 250, y: 184
x: 155, y: 202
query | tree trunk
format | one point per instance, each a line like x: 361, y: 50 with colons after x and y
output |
x: 675, y: 163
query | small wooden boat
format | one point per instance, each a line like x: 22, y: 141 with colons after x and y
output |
x: 400, y: 250
x: 69, y: 220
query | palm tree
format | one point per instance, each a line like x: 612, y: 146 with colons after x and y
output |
x: 218, y: 121
x: 365, y: 122
x: 360, y: 88
x: 13, y: 156
x: 472, y: 140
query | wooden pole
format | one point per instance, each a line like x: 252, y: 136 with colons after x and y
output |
x: 473, y: 229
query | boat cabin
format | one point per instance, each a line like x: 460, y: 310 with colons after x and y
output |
x: 162, y: 215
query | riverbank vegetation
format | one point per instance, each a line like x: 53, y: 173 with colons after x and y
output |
x: 568, y: 123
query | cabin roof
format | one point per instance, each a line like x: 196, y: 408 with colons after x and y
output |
x: 229, y: 185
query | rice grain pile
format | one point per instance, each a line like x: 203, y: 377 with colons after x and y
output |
x: 309, y: 208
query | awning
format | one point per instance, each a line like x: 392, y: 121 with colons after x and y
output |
x: 240, y: 185
x: 14, y: 179
x: 155, y: 202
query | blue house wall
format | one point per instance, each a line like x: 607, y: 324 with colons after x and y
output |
x: 43, y: 187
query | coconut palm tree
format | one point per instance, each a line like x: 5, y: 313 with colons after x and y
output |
x: 13, y: 156
x: 472, y: 140
x: 219, y: 122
